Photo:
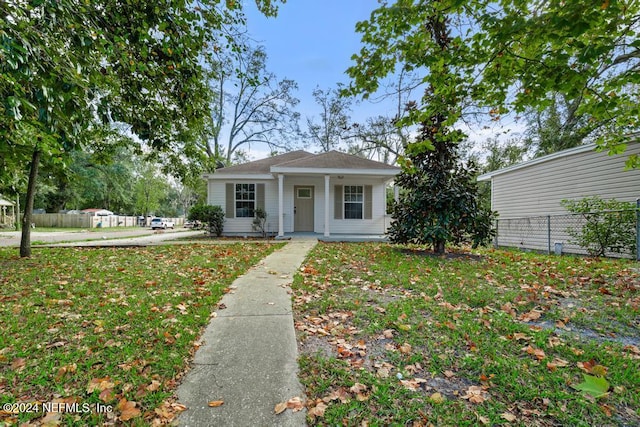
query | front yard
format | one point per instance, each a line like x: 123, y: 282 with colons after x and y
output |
x: 387, y: 335
x: 106, y: 334
x: 393, y: 337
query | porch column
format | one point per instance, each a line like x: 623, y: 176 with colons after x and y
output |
x: 396, y: 193
x: 280, y: 205
x: 327, y: 206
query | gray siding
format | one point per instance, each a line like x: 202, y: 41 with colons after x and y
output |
x: 538, y: 189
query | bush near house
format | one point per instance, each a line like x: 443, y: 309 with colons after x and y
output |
x: 610, y: 225
x: 213, y: 216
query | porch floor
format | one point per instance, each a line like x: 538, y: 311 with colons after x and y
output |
x: 334, y: 237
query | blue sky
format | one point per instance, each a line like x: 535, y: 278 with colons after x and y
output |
x: 311, y: 42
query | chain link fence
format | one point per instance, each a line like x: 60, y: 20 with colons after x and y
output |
x: 561, y: 233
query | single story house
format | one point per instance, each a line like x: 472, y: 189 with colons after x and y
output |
x: 528, y: 196
x: 324, y: 193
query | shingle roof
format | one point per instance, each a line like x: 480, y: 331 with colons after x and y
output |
x: 304, y: 160
x: 336, y: 160
x: 263, y: 166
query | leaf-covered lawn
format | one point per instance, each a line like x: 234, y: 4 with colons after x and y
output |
x: 114, y: 327
x: 389, y: 336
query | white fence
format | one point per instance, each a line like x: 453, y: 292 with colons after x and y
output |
x: 87, y: 221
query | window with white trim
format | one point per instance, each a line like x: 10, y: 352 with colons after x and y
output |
x: 353, y: 201
x: 245, y: 198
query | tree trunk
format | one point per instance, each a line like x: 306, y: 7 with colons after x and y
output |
x: 25, y: 241
x: 438, y: 247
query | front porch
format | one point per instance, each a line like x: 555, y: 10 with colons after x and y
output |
x: 334, y: 237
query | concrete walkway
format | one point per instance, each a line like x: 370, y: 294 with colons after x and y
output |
x: 249, y: 355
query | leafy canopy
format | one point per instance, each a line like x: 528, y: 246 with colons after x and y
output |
x: 514, y: 55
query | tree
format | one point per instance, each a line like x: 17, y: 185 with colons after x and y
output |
x: 555, y: 129
x: 518, y: 55
x: 440, y: 201
x: 68, y: 68
x: 250, y: 105
x: 148, y: 190
x: 334, y: 119
x: 384, y: 138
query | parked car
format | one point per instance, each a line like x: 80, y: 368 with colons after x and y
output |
x: 161, y: 223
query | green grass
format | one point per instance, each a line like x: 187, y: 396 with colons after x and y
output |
x: 393, y: 337
x: 108, y: 326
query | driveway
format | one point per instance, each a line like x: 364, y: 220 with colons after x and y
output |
x: 95, y: 237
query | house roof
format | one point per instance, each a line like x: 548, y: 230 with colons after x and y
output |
x: 263, y: 166
x: 335, y: 160
x: 560, y: 154
x: 302, y: 162
x: 4, y: 202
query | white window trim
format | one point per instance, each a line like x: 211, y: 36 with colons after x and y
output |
x: 344, y: 202
x: 235, y: 200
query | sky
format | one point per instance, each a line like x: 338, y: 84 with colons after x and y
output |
x: 311, y: 42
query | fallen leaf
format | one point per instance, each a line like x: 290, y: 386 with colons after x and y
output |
x: 593, y: 386
x: 531, y: 315
x: 437, y: 398
x: 216, y: 403
x: 99, y: 384
x: 128, y: 409
x: 405, y: 348
x: 318, y: 410
x: 508, y: 416
x: 107, y: 395
x: 557, y: 363
x: 295, y: 404
x: 155, y: 385
x: 280, y: 408
x: 475, y: 394
x: 18, y: 364
x: 448, y: 374
x: 537, y: 352
x: 358, y: 388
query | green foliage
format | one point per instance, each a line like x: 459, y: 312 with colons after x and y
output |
x: 514, y: 56
x: 443, y: 206
x: 72, y: 69
x: 213, y: 216
x: 260, y: 221
x: 610, y: 225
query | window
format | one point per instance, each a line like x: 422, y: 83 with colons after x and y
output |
x: 245, y: 200
x: 353, y: 201
x: 304, y: 193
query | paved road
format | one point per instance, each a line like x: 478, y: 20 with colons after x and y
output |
x: 140, y: 236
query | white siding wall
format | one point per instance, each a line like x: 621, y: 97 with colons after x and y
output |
x: 373, y: 226
x: 216, y: 196
x: 376, y: 225
x: 538, y: 189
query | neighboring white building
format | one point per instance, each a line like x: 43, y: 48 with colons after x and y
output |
x: 526, y: 193
x: 327, y: 193
x: 536, y: 187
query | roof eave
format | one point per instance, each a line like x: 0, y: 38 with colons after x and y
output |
x: 558, y: 155
x: 334, y: 171
x: 227, y: 176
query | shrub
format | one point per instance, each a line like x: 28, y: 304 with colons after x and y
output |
x: 610, y: 225
x: 260, y: 221
x: 213, y: 216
